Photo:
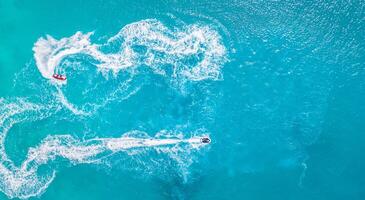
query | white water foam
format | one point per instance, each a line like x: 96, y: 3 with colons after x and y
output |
x: 161, y: 47
x: 24, y: 181
x: 193, y: 52
x: 122, y: 92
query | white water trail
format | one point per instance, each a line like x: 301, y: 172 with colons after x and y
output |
x: 61, y: 97
x: 161, y: 47
x: 190, y: 53
x: 24, y: 181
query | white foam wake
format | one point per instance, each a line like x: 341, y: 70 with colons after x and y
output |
x: 25, y: 181
x: 194, y: 52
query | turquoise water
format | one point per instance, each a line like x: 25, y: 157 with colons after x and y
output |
x: 278, y: 86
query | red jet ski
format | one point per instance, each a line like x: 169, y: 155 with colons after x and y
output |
x: 59, y: 77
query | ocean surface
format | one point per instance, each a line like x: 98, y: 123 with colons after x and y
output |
x: 278, y: 87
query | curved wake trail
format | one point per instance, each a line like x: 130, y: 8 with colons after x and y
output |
x: 24, y: 181
x: 191, y: 53
x: 195, y: 52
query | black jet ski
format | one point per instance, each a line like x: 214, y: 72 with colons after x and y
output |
x: 205, y: 140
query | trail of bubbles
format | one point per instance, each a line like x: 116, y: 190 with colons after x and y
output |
x: 122, y: 92
x: 25, y: 181
x: 195, y: 52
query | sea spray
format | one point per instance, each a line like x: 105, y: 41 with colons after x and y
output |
x: 190, y: 53
x: 195, y: 52
x: 25, y: 181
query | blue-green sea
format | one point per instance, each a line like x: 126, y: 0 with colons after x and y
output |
x: 113, y: 99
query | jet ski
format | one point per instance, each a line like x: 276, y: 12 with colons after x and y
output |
x: 205, y: 140
x: 59, y: 77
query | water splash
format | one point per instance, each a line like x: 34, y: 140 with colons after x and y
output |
x: 194, y: 52
x: 25, y: 181
x: 191, y: 53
